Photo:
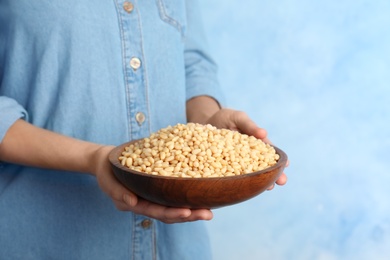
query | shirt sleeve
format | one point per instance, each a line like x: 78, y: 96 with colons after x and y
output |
x: 201, y: 70
x: 10, y: 111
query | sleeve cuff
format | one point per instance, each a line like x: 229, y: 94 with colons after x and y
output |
x: 205, y: 87
x: 10, y: 111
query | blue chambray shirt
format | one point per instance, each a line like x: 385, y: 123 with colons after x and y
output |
x: 106, y: 72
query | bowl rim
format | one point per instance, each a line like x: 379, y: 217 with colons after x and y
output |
x: 114, y: 161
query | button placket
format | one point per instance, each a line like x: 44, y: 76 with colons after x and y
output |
x: 137, y: 111
x: 134, y: 75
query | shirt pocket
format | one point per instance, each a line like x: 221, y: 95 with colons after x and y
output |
x: 173, y: 12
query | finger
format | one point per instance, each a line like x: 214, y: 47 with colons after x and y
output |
x: 200, y: 214
x: 169, y: 214
x: 122, y: 206
x: 115, y: 190
x: 266, y: 140
x: 130, y: 198
x: 109, y: 183
x: 119, y: 193
x: 246, y: 126
x: 288, y: 163
x: 160, y: 212
x: 282, y: 180
x: 195, y: 215
x: 271, y: 187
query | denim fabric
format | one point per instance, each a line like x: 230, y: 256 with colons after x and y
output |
x: 66, y: 66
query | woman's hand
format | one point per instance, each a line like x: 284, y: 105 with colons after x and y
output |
x: 239, y: 121
x: 46, y: 149
x: 125, y: 200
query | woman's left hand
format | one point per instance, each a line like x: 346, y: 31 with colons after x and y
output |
x: 240, y: 121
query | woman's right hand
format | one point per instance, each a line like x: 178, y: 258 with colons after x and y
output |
x: 126, y: 200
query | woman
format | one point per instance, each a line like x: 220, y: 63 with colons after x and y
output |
x: 76, y: 79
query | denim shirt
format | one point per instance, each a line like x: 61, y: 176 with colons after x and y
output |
x: 106, y: 72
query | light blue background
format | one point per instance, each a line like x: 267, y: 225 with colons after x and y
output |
x: 316, y: 75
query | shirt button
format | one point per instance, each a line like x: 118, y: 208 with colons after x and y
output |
x: 146, y: 223
x: 135, y: 63
x: 128, y: 7
x: 140, y: 117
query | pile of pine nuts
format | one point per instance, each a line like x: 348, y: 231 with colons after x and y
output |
x: 198, y: 151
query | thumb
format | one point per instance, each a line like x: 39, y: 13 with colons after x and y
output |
x: 246, y: 126
x: 130, y: 199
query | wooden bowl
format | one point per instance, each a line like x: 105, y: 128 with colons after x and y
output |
x: 196, y: 193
